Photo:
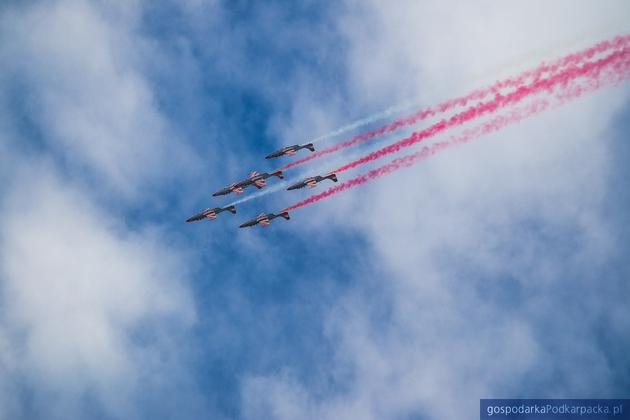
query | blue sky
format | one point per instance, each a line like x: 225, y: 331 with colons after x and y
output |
x: 496, y: 269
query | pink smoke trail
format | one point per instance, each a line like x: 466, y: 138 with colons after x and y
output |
x: 617, y: 72
x: 562, y: 78
x: 535, y: 74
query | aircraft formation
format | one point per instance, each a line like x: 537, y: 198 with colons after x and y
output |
x: 259, y: 180
x: 482, y: 111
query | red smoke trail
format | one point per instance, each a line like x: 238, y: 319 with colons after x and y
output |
x: 478, y: 94
x: 562, y: 78
x: 620, y: 70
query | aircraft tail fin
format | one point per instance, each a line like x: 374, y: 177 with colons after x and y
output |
x: 310, y: 147
x: 285, y: 214
x: 333, y: 177
x: 231, y: 209
x: 278, y: 173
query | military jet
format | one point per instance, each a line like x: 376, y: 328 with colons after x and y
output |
x: 290, y: 150
x: 312, y: 181
x: 211, y: 214
x: 255, y: 178
x: 264, y: 219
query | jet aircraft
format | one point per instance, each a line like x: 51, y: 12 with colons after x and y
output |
x: 211, y: 214
x: 290, y: 150
x: 264, y: 219
x: 255, y: 178
x: 312, y: 181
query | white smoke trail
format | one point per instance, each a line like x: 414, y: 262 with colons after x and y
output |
x: 392, y: 110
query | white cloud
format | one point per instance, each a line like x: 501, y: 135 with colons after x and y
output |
x: 95, y: 314
x: 78, y: 291
x: 82, y: 65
